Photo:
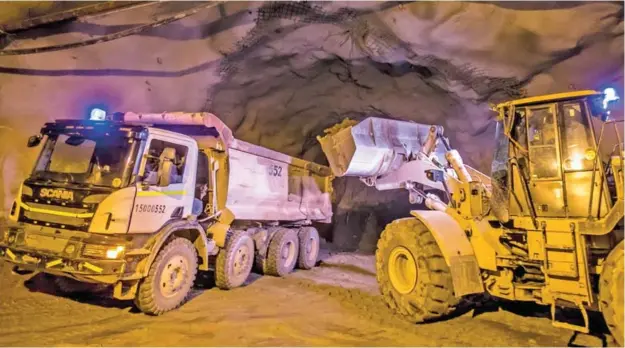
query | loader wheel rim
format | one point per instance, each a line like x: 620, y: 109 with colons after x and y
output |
x: 288, y: 253
x: 402, y: 270
x: 174, y: 276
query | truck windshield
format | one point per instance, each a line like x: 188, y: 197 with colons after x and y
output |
x: 101, y: 161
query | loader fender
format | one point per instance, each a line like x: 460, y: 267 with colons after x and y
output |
x: 186, y: 229
x: 456, y: 249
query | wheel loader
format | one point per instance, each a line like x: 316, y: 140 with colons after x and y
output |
x: 545, y: 227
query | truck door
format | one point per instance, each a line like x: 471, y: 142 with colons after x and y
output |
x: 164, y: 190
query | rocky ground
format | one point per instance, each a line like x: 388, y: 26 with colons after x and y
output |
x: 335, y: 304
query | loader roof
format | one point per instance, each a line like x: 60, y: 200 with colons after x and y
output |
x: 549, y: 97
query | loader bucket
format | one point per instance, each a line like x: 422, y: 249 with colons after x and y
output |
x: 374, y: 146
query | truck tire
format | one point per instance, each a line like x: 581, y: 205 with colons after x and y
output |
x: 235, y: 261
x: 413, y: 276
x: 308, y: 247
x: 170, y: 278
x: 282, y: 253
x: 611, y: 293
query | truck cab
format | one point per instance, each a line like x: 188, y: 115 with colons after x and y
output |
x: 96, y: 192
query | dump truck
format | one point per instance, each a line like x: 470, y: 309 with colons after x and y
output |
x: 545, y: 227
x: 140, y: 202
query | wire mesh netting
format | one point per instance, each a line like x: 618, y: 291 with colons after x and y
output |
x: 376, y: 40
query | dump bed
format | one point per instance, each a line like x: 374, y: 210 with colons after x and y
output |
x: 268, y: 185
x: 263, y: 185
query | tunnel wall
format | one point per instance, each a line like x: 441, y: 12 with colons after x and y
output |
x: 180, y: 67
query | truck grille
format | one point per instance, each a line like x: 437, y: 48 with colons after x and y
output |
x: 54, y: 220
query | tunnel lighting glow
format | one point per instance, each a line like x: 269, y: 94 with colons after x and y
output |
x: 576, y: 162
x: 97, y: 115
x: 609, y: 94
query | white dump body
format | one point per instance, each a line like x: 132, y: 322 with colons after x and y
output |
x: 263, y: 185
x: 268, y: 185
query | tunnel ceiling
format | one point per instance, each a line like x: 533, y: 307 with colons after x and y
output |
x: 278, y: 73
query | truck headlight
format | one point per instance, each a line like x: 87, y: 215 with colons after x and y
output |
x: 115, y: 253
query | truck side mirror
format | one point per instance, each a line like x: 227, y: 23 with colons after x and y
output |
x: 166, y: 168
x: 34, y: 141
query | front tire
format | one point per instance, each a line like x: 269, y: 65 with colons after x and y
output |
x: 413, y: 276
x: 170, y: 278
x: 611, y: 293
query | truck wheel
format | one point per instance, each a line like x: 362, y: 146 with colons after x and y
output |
x: 282, y: 253
x: 308, y: 247
x: 413, y: 276
x: 611, y: 293
x: 234, y: 263
x: 170, y: 278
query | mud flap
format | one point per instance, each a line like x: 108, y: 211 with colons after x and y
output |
x: 465, y: 275
x: 219, y: 230
x: 125, y: 293
x: 456, y: 249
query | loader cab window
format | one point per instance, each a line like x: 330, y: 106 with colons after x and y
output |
x: 519, y: 130
x: 577, y: 143
x: 155, y: 153
x: 542, y: 139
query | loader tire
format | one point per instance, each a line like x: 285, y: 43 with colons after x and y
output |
x: 235, y: 261
x: 611, y: 293
x: 413, y: 276
x: 170, y: 279
x: 308, y: 247
x: 282, y: 253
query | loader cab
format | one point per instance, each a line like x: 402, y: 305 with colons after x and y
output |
x: 549, y: 161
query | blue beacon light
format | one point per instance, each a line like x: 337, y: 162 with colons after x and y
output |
x: 609, y: 94
x: 97, y: 115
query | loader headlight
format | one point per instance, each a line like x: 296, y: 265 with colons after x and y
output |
x: 115, y: 253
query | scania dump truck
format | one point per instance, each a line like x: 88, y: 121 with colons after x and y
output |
x: 546, y: 227
x: 141, y: 202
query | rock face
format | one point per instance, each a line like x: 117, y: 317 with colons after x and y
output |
x: 279, y: 73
